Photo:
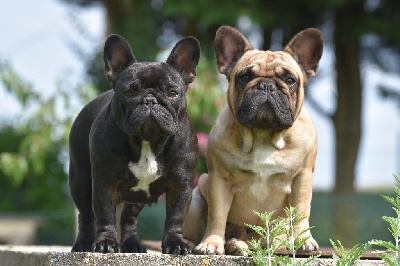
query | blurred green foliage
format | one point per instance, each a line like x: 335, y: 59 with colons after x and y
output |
x: 205, y: 101
x: 33, y: 150
x: 34, y: 155
x: 29, y: 151
x: 205, y: 98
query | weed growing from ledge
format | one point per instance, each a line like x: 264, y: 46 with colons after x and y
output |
x: 277, y: 233
x: 392, y: 258
x: 270, y: 234
x: 348, y: 257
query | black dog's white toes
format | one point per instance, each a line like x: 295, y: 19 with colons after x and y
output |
x: 106, y: 246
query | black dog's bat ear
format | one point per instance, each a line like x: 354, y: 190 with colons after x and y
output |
x: 229, y: 47
x: 117, y: 56
x: 185, y: 57
x: 306, y: 48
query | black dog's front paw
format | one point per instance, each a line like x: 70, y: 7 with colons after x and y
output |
x: 82, y: 247
x: 106, y: 246
x: 132, y: 245
x: 175, y: 245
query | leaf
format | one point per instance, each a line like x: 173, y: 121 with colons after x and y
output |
x: 303, y: 231
x: 300, y: 242
x: 309, y: 259
x: 335, y: 257
x: 397, y: 178
x: 396, y: 190
x: 282, y: 260
x: 339, y: 247
x: 348, y: 257
x: 258, y: 229
x: 264, y: 216
x: 389, y: 199
x: 390, y: 259
x: 385, y: 244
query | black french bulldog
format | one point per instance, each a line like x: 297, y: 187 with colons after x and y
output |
x: 133, y: 143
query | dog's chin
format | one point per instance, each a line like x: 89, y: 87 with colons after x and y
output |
x: 264, y: 121
x: 150, y: 129
x: 150, y: 123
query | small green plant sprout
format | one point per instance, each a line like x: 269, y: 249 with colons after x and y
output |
x: 294, y: 241
x: 270, y: 235
x: 277, y: 233
x: 345, y: 257
x: 392, y: 258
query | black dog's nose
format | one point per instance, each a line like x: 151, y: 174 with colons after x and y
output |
x: 149, y: 99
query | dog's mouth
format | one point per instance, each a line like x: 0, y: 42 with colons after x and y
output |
x: 280, y: 106
x: 265, y: 110
x: 150, y: 120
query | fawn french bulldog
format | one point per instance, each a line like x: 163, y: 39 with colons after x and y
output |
x: 262, y: 147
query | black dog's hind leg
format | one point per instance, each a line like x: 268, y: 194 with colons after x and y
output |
x: 81, y: 192
x: 129, y: 217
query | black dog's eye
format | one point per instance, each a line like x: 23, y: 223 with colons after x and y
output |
x: 172, y: 94
x: 128, y: 92
x: 245, y: 78
x: 290, y: 81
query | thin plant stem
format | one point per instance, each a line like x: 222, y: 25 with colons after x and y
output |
x: 292, y: 235
x: 268, y: 244
x: 397, y: 242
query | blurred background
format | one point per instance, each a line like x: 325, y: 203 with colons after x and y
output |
x: 51, y: 65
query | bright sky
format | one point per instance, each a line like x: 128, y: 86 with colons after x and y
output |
x: 38, y: 37
x: 37, y: 41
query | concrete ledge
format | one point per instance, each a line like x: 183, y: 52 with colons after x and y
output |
x: 53, y: 255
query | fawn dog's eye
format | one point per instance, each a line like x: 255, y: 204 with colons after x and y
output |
x: 290, y: 81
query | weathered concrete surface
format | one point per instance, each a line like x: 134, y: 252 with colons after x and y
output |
x: 52, y: 255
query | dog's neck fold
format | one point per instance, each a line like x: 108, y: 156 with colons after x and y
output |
x: 248, y: 139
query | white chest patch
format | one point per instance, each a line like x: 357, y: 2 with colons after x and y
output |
x: 267, y: 162
x: 145, y: 170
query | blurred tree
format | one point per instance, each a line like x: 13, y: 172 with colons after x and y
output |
x: 205, y: 101
x: 354, y: 21
x: 202, y: 18
x: 138, y: 21
x: 347, y: 118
